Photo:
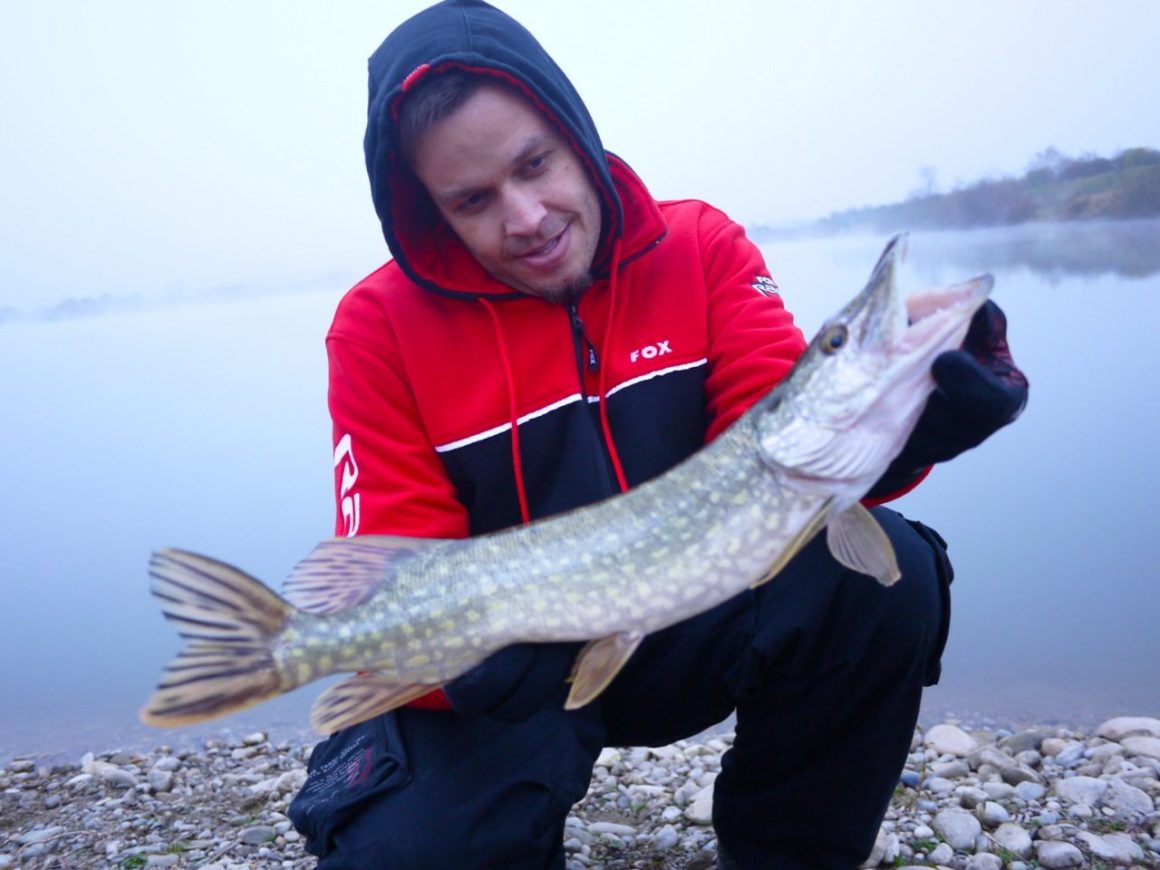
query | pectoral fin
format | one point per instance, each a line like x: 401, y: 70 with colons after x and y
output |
x: 358, y: 698
x: 857, y: 541
x: 598, y: 663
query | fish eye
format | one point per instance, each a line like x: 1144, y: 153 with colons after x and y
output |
x: 833, y: 339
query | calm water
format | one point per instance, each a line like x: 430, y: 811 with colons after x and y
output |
x: 204, y: 426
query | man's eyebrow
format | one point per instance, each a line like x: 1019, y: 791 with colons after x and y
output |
x: 536, y: 142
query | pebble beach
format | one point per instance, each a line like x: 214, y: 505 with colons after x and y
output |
x: 969, y: 799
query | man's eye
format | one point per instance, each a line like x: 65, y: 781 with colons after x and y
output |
x: 472, y: 203
x: 536, y: 164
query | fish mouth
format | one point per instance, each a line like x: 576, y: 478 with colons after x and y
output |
x: 933, y: 319
x: 933, y: 314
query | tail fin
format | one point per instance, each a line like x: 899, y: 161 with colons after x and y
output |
x: 230, y: 620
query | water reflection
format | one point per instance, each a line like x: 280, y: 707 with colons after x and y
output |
x: 1128, y: 249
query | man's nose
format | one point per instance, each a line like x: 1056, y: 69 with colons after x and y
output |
x: 523, y: 212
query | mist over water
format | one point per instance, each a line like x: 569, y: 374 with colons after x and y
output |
x: 205, y: 427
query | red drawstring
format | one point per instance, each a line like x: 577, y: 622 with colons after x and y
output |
x: 513, y: 412
x: 613, y: 281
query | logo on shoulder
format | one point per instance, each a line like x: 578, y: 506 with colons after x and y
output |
x: 766, y: 286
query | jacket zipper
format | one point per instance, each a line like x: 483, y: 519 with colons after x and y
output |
x: 585, y: 349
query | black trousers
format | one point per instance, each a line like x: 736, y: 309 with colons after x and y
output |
x: 824, y: 668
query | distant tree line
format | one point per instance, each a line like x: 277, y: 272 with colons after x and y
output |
x: 1054, y: 188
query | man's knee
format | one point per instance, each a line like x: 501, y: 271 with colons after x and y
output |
x: 818, y: 615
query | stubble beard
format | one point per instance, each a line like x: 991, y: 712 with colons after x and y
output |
x: 569, y: 292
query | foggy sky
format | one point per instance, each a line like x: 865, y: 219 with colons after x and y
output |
x: 158, y: 147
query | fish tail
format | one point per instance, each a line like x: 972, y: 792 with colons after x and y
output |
x: 230, y: 621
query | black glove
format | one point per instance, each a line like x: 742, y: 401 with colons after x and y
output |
x: 515, y: 682
x: 979, y: 390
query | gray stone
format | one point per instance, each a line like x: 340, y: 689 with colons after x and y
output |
x: 1017, y: 773
x: 1071, y: 755
x: 957, y: 827
x: 1029, y: 758
x: 951, y: 769
x: 989, y: 755
x: 1126, y: 726
x: 256, y: 835
x: 612, y: 828
x: 1115, y: 848
x: 39, y: 835
x: 1030, y: 791
x: 941, y: 854
x: 984, y: 861
x: 1013, y: 838
x: 1128, y: 802
x: 666, y: 838
x: 167, y: 762
x: 999, y: 791
x: 938, y: 785
x: 1103, y: 752
x: 1055, y: 854
x: 971, y: 797
x: 1141, y: 745
x: 160, y: 780
x: 1024, y: 740
x: 116, y: 777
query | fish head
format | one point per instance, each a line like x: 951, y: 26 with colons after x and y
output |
x: 851, y: 401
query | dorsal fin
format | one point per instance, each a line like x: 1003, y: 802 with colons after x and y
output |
x: 343, y: 572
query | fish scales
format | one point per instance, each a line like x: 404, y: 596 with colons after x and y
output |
x: 407, y: 615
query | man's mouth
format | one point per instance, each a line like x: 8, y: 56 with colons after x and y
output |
x: 545, y: 254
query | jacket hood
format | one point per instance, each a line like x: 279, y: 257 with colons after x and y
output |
x: 467, y: 35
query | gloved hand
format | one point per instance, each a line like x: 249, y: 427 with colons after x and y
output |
x: 514, y: 682
x: 979, y: 390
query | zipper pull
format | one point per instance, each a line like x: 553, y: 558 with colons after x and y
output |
x: 589, y: 347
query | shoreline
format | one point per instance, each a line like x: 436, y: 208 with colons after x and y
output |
x: 971, y: 798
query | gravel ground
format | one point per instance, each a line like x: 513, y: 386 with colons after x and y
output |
x: 969, y: 799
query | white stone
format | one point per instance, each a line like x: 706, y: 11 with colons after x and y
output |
x: 1081, y: 789
x: 1013, y: 838
x: 608, y: 756
x: 886, y: 849
x: 700, y: 810
x: 922, y: 832
x: 957, y: 827
x: 1055, y: 854
x: 993, y: 814
x: 1116, y: 848
x: 666, y: 838
x: 1141, y: 745
x: 947, y: 739
x: 1125, y: 726
x: 941, y: 854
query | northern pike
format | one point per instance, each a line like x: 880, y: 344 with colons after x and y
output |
x: 407, y: 615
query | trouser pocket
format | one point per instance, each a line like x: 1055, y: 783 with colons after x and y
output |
x: 347, y: 770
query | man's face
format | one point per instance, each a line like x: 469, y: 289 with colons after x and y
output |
x: 514, y: 192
